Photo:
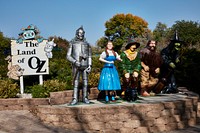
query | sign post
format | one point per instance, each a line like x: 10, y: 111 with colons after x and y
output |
x: 21, y: 85
x: 41, y: 79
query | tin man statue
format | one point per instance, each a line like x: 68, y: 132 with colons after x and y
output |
x: 79, y: 54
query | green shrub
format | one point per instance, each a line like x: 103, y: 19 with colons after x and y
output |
x: 8, y: 89
x: 3, y: 70
x: 60, y: 69
x: 93, y: 79
x: 188, y: 73
x: 39, y: 91
x: 54, y: 85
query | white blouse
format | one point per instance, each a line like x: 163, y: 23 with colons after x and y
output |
x: 103, y: 54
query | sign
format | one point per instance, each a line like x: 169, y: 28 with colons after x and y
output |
x: 30, y: 56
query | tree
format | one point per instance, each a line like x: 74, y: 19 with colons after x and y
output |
x: 4, y: 42
x: 160, y: 34
x: 4, y: 51
x: 61, y: 43
x: 189, y: 31
x: 126, y: 25
x: 160, y: 31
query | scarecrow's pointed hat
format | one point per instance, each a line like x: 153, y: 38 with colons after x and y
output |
x: 131, y: 41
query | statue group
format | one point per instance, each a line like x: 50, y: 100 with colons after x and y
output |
x: 143, y: 72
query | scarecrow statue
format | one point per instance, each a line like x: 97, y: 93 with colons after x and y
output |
x: 130, y: 68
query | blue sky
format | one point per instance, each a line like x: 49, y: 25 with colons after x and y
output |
x: 63, y: 17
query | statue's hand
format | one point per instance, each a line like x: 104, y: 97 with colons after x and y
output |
x: 119, y: 59
x: 127, y: 75
x: 146, y: 68
x: 88, y: 70
x: 172, y: 65
x: 77, y: 64
x: 177, y: 60
x: 111, y: 62
x: 135, y: 74
x: 157, y: 70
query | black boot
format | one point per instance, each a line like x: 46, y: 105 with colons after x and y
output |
x: 134, y: 96
x: 128, y: 94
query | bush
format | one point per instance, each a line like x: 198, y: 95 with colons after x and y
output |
x: 54, y: 85
x: 3, y: 69
x: 93, y: 79
x: 187, y: 74
x: 61, y: 70
x: 8, y: 89
x: 39, y: 91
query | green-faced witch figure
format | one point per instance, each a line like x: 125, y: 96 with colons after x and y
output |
x: 171, y: 56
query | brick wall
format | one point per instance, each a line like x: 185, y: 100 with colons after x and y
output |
x: 64, y: 97
x: 127, y: 117
x: 55, y: 98
x: 123, y: 118
x: 22, y: 103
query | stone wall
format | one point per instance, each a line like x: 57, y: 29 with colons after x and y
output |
x: 144, y: 117
x: 22, y: 103
x: 64, y: 97
x: 123, y: 117
x: 55, y: 98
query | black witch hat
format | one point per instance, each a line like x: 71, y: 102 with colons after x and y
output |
x: 176, y: 37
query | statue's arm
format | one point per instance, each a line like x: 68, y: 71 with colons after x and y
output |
x: 69, y: 54
x: 90, y: 56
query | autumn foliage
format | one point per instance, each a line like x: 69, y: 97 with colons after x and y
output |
x: 126, y: 25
